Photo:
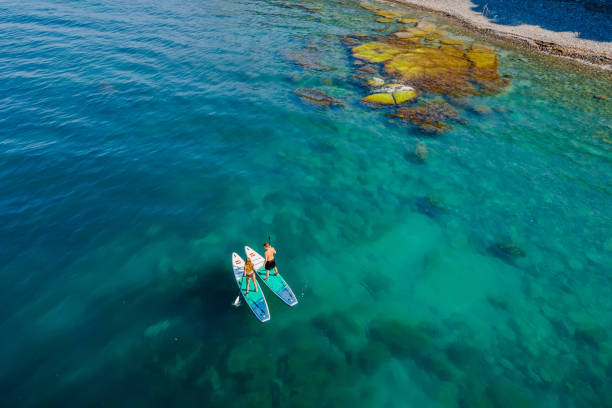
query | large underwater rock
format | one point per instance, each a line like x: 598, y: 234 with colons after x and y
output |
x: 506, y: 250
x: 376, y: 51
x: 394, y: 94
x: 430, y: 117
x: 423, y: 58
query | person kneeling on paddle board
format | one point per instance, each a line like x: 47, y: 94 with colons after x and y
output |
x: 249, y: 275
x: 270, y: 262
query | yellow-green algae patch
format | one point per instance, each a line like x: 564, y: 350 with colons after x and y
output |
x: 426, y: 61
x: 376, y: 51
x: 484, y: 60
x: 387, y: 13
x: 452, y: 41
x: 375, y: 81
x: 408, y: 20
x: 444, y: 69
x: 423, y: 58
x: 393, y: 95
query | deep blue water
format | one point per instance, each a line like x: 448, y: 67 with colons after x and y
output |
x: 142, y: 142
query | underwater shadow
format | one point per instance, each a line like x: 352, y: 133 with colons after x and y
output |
x: 591, y: 19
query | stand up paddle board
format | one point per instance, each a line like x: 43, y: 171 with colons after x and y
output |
x: 255, y: 300
x: 276, y: 283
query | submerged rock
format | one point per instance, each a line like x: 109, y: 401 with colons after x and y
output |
x: 412, y: 56
x: 484, y: 60
x: 380, y: 98
x: 462, y: 355
x: 428, y: 61
x: 369, y: 69
x: 338, y: 327
x: 365, y: 75
x: 498, y: 303
x: 420, y: 151
x: 408, y: 21
x: 393, y: 94
x: 387, y: 13
x: 414, y: 342
x: 419, y: 155
x: 452, y: 41
x: 403, y: 340
x: 455, y: 86
x: 505, y: 393
x: 482, y: 109
x: 430, y: 206
x: 375, y: 51
x: 317, y: 97
x: 372, y: 356
x: 307, y: 60
x: 426, y: 26
x: 591, y: 335
x: 430, y: 116
x: 507, y: 250
x: 309, y: 372
x: 376, y: 82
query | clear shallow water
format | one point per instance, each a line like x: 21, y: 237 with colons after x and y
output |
x: 142, y: 143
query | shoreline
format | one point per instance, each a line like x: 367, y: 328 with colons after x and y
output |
x: 558, y: 44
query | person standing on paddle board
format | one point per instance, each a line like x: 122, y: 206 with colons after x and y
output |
x: 249, y: 274
x: 270, y: 262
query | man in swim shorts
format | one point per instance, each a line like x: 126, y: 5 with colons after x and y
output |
x: 270, y: 262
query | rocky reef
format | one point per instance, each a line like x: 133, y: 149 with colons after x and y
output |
x: 430, y: 117
x: 422, y: 61
x: 318, y: 98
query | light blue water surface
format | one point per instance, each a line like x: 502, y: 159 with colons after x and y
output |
x: 142, y: 142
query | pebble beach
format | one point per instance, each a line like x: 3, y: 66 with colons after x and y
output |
x: 581, y: 30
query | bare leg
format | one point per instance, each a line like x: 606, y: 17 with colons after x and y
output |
x: 275, y: 271
x: 255, y: 283
x: 267, y: 274
x: 247, y: 288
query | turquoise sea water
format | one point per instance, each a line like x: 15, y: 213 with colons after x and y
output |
x: 142, y: 142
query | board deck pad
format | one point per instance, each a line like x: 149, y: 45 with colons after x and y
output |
x: 277, y: 284
x: 255, y: 300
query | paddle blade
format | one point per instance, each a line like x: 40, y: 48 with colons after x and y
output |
x: 237, y: 302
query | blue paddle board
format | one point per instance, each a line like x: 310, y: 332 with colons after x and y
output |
x: 255, y: 300
x: 277, y: 284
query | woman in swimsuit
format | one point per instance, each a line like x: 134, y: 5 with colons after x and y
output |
x: 249, y: 274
